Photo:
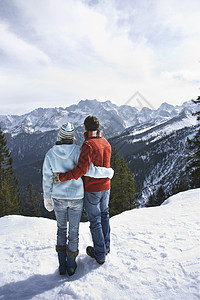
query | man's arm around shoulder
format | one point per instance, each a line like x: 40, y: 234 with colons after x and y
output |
x: 82, y: 166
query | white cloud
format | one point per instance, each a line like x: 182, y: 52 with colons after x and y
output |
x: 180, y: 16
x: 68, y: 50
x: 18, y: 50
x: 183, y: 75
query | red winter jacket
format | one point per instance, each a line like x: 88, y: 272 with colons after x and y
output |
x: 98, y: 151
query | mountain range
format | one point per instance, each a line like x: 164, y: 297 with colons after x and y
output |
x: 153, y: 142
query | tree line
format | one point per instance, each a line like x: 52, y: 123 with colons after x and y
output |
x: 10, y: 195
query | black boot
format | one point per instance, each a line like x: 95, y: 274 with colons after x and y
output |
x: 90, y: 252
x: 61, y: 250
x: 71, y: 265
x: 62, y: 263
x: 71, y: 262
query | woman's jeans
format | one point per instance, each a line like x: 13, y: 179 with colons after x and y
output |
x: 68, y: 210
x: 96, y: 206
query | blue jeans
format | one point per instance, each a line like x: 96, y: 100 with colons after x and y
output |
x: 96, y: 206
x: 68, y: 210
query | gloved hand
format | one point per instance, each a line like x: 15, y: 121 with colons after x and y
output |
x: 56, y: 178
x: 48, y: 204
x: 111, y: 173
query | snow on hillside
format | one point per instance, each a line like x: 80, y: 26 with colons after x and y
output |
x: 121, y: 117
x: 168, y: 129
x: 154, y: 255
x: 160, y: 129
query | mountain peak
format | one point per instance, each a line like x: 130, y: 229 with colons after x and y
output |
x: 166, y: 106
x: 113, y: 118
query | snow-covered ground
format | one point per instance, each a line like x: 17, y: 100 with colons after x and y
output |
x: 155, y: 254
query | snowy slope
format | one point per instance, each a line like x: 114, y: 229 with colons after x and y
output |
x: 154, y: 255
x: 158, y: 130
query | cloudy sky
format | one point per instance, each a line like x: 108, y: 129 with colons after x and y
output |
x: 57, y: 52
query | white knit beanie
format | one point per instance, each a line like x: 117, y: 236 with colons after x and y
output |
x: 66, y: 132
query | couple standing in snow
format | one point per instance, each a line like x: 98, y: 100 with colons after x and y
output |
x: 66, y: 191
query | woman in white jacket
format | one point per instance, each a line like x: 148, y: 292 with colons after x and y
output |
x: 66, y: 198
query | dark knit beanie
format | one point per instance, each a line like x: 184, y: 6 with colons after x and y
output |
x: 91, y: 123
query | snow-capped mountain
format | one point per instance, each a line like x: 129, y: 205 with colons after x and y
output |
x: 153, y: 142
x: 114, y: 119
x: 47, y: 119
x: 157, y: 150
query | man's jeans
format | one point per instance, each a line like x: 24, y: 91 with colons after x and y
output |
x: 68, y: 210
x: 96, y: 206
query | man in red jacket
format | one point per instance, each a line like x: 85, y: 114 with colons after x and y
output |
x: 95, y: 149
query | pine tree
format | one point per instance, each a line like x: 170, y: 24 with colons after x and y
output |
x: 182, y: 185
x: 160, y: 196
x: 179, y: 186
x: 194, y: 158
x: 174, y: 189
x: 122, y: 195
x: 151, y: 202
x: 114, y: 159
x: 31, y: 206
x: 9, y: 190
